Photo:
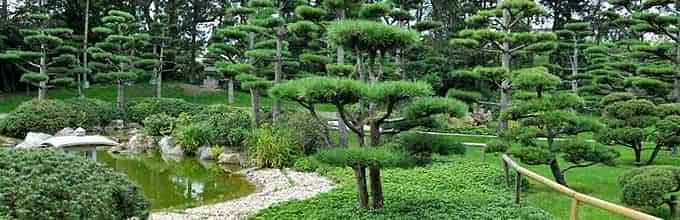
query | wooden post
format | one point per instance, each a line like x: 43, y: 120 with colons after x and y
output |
x: 507, y: 172
x: 518, y: 188
x: 574, y: 209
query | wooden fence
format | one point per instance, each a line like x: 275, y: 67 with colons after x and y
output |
x: 576, y: 198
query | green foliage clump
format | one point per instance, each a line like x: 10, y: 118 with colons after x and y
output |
x: 45, y: 184
x: 462, y: 189
x: 428, y: 105
x: 230, y: 126
x: 364, y: 156
x: 370, y: 35
x: 138, y: 110
x: 50, y: 116
x: 93, y: 112
x: 272, y: 148
x: 305, y: 132
x: 465, y: 96
x: 649, y: 186
x: 306, y: 164
x: 158, y: 124
x: 193, y: 135
x: 423, y: 146
x: 496, y: 146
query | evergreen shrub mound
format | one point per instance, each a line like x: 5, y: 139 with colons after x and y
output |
x: 45, y: 184
x: 463, y: 189
x: 649, y: 186
x: 138, y: 110
x: 50, y: 116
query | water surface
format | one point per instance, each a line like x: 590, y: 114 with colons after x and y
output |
x: 178, y: 184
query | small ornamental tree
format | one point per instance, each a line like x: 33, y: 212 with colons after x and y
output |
x: 573, y: 38
x: 626, y: 120
x: 500, y: 34
x: 550, y: 114
x: 651, y: 186
x: 45, y: 56
x: 605, y: 72
x: 256, y: 86
x: 118, y: 58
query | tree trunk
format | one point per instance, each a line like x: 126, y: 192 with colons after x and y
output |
x: 86, y: 32
x: 506, y: 57
x: 361, y: 137
x: 159, y: 74
x: 120, y: 99
x: 255, y: 106
x: 557, y: 173
x: 657, y: 148
x: 574, y: 68
x: 638, y: 155
x: 276, y: 105
x: 362, y: 190
x: 673, y: 206
x: 42, y: 90
x: 230, y: 90
x: 376, y: 188
x: 505, y: 102
x: 342, y: 128
x: 375, y: 133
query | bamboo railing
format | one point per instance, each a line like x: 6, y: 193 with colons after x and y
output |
x: 576, y: 198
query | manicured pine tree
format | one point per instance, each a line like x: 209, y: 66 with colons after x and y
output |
x: 606, y: 68
x: 46, y: 61
x: 500, y: 34
x: 119, y: 56
x: 163, y: 50
x: 256, y: 86
x: 342, y: 93
x: 573, y: 38
x: 545, y: 112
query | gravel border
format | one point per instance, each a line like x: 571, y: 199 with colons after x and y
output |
x: 273, y: 186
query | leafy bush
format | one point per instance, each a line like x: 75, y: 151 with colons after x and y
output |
x: 191, y: 134
x: 272, y: 148
x: 496, y: 146
x: 216, y: 150
x: 158, y: 124
x: 48, y: 116
x: 463, y: 189
x: 306, y: 164
x: 45, y: 184
x: 93, y: 112
x: 649, y: 186
x: 138, y: 110
x: 306, y: 133
x: 422, y: 146
x: 231, y: 126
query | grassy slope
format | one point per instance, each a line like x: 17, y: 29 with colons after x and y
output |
x: 170, y: 90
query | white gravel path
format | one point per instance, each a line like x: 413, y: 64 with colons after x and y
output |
x: 273, y: 186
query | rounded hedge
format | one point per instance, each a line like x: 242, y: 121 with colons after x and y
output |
x: 50, y: 116
x: 47, y: 116
x: 46, y: 184
x: 138, y: 110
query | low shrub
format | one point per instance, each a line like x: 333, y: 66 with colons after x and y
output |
x: 139, y: 109
x: 158, y: 124
x: 93, y: 112
x: 272, y: 148
x: 45, y: 184
x: 423, y: 146
x: 193, y: 135
x: 231, y: 126
x: 463, y: 189
x: 50, y: 116
x: 216, y: 150
x: 306, y: 164
x: 306, y: 133
x: 650, y: 186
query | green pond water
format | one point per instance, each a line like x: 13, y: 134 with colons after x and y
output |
x: 178, y: 184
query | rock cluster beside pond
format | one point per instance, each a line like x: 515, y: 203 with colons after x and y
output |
x: 273, y: 186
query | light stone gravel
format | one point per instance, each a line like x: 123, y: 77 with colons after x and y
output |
x: 273, y: 186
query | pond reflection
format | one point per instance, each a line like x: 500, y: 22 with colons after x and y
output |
x: 178, y: 183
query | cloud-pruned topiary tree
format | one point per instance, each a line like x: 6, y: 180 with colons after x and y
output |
x: 119, y: 58
x: 500, y: 34
x: 47, y: 61
x: 551, y: 114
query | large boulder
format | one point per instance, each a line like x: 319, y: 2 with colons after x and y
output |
x: 33, y: 140
x: 229, y: 158
x: 204, y: 153
x: 168, y: 146
x: 139, y: 142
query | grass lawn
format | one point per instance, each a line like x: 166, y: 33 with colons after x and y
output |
x: 599, y: 180
x: 170, y: 90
